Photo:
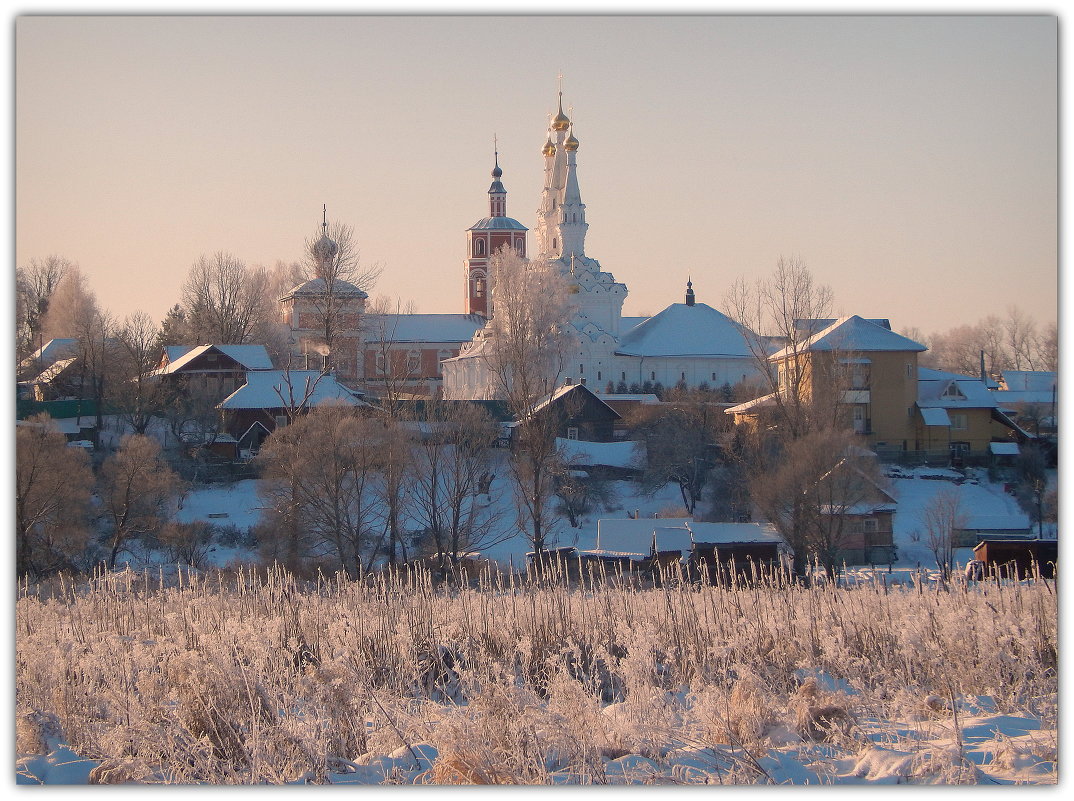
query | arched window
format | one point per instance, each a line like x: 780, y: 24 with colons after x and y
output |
x: 479, y: 247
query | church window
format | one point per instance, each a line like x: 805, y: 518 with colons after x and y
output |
x: 624, y: 376
x: 598, y: 375
x: 521, y: 246
x: 553, y: 244
x: 684, y: 376
x: 479, y: 247
x: 581, y: 368
x: 652, y: 376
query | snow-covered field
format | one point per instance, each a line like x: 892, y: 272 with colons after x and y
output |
x: 269, y: 681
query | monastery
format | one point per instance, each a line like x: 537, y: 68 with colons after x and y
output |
x: 688, y: 343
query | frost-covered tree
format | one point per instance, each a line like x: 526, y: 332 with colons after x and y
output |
x: 525, y: 352
x: 943, y: 516
x: 35, y: 284
x: 136, y: 489
x: 53, y: 483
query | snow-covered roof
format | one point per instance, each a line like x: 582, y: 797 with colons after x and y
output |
x: 1004, y: 448
x: 51, y: 351
x: 647, y: 399
x: 672, y: 538
x: 935, y: 417
x: 819, y: 324
x: 716, y: 533
x: 422, y: 327
x: 756, y: 403
x: 497, y: 224
x: 630, y: 536
x: 940, y: 389
x: 682, y: 330
x: 251, y: 357
x: 318, y: 287
x: 853, y: 333
x: 1029, y: 380
x: 559, y: 392
x: 53, y: 371
x: 263, y: 390
x: 604, y: 454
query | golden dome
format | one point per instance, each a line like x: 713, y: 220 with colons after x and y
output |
x: 571, y: 144
x: 549, y: 149
x: 561, y: 121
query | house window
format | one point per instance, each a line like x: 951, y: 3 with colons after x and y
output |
x: 958, y: 421
x: 953, y: 391
x: 380, y: 362
x: 281, y: 420
x: 909, y: 371
x: 870, y: 525
x: 413, y: 362
x: 444, y: 354
x: 572, y: 432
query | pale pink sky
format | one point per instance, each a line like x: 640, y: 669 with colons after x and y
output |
x: 910, y: 161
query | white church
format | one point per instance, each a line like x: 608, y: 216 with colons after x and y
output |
x: 687, y: 343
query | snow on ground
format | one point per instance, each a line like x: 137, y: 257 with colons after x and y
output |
x: 990, y: 748
x: 239, y: 505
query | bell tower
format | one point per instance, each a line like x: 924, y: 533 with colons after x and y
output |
x: 485, y: 237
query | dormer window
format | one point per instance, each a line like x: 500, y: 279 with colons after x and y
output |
x: 953, y: 392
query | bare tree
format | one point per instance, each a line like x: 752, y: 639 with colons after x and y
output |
x: 135, y: 393
x: 136, y: 488
x: 791, y: 307
x: 393, y: 367
x: 452, y: 494
x: 681, y: 444
x: 1020, y: 331
x: 319, y: 490
x: 224, y: 302
x: 784, y: 458
x: 1048, y: 348
x: 943, y: 518
x: 53, y: 483
x: 525, y: 351
x: 333, y: 259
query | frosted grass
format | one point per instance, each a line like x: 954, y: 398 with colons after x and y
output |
x: 253, y: 677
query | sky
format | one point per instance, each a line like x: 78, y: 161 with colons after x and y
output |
x: 909, y: 161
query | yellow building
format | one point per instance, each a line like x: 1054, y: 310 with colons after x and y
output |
x: 868, y: 375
